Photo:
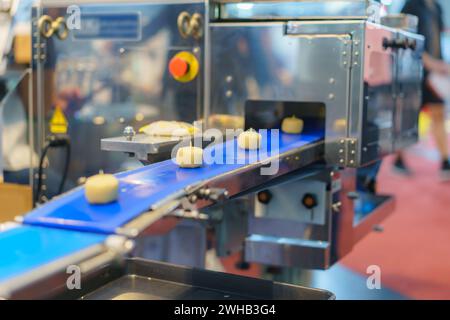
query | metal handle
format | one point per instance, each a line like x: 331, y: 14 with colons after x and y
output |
x: 60, y: 28
x: 184, y: 24
x: 196, y: 25
x: 399, y: 44
x: 45, y: 26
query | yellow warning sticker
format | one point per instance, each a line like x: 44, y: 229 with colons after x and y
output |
x: 58, y: 123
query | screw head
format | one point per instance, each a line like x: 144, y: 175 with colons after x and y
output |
x: 129, y: 133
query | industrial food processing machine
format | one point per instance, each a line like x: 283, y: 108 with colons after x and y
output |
x: 304, y: 202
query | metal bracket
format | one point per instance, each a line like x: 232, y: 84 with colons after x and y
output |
x: 348, y: 152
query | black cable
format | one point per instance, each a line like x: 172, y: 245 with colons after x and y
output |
x: 66, y: 168
x: 37, y: 195
x: 53, y: 141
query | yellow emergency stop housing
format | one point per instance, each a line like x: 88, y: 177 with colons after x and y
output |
x: 193, y: 63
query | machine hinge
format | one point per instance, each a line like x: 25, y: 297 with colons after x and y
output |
x: 351, y: 53
x: 348, y: 152
x: 346, y: 53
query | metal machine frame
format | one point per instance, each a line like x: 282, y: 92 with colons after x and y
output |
x: 355, y: 82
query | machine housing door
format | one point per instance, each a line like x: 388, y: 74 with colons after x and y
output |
x: 111, y: 71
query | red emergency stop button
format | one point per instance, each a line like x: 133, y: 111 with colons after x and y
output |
x: 184, y: 66
x: 178, y: 67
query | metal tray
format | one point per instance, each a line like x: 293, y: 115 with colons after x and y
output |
x: 139, y: 279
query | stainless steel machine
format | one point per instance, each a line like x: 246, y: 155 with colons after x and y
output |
x: 230, y: 65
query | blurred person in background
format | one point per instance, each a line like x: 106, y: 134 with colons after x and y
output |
x: 431, y: 26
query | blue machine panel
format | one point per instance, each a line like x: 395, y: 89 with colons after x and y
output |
x: 141, y: 188
x: 25, y: 248
x: 109, y: 26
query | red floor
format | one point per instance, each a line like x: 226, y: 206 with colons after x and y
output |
x: 414, y: 249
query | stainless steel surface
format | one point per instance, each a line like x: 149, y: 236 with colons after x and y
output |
x: 148, y: 280
x: 142, y: 146
x: 293, y: 70
x: 303, y: 9
x: 342, y: 65
x: 185, y: 244
x: 284, y: 233
x: 401, y: 21
x: 287, y: 252
x: 230, y: 222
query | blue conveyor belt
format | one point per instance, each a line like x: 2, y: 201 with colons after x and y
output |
x: 143, y: 187
x: 25, y: 248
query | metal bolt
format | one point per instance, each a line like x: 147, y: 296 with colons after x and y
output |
x: 229, y: 79
x: 229, y: 93
x: 332, y: 80
x: 129, y: 133
x: 331, y: 96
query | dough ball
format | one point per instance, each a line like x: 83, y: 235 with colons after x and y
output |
x: 101, y: 188
x: 189, y: 157
x: 292, y: 125
x: 249, y: 140
x: 169, y: 129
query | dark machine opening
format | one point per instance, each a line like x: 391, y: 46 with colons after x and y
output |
x: 263, y: 114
